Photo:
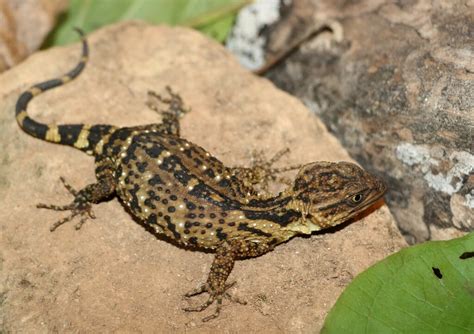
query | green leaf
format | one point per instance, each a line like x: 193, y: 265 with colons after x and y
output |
x: 428, y: 288
x: 219, y: 29
x: 213, y: 17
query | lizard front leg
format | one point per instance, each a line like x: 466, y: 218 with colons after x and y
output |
x: 262, y: 172
x: 84, y: 198
x: 222, y: 265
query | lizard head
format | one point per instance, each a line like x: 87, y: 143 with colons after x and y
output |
x: 329, y: 193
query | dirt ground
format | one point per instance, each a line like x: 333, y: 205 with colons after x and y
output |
x: 112, y: 275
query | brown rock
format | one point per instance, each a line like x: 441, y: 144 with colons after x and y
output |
x: 397, y: 91
x: 112, y: 275
x: 23, y: 26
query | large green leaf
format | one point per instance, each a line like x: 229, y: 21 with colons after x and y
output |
x: 214, y: 17
x: 427, y: 288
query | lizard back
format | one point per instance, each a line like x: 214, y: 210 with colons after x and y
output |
x: 181, y: 190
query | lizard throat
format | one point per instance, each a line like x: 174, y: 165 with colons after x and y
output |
x: 303, y: 226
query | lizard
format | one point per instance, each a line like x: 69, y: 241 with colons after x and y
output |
x: 180, y: 191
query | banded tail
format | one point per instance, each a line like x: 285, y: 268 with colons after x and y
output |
x: 81, y: 136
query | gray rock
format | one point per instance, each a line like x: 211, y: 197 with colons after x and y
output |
x: 398, y: 91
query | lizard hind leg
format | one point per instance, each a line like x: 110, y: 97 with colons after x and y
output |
x: 80, y: 206
x: 84, y: 198
x: 175, y: 109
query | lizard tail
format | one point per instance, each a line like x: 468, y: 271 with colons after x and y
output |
x: 81, y: 136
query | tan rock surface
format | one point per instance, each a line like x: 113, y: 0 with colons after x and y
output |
x: 24, y: 25
x: 113, y: 275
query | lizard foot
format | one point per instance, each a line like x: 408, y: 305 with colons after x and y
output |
x: 174, y: 101
x: 263, y: 173
x: 80, y: 206
x: 216, y: 296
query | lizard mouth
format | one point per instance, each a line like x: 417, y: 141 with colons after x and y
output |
x: 372, y: 201
x: 360, y: 210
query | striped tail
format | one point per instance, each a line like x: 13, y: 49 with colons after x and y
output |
x: 81, y: 136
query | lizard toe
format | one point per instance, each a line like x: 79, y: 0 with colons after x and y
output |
x: 79, y: 207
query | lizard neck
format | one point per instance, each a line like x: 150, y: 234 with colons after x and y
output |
x: 281, y: 215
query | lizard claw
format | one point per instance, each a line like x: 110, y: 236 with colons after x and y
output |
x: 174, y: 102
x: 213, y: 296
x: 80, y: 206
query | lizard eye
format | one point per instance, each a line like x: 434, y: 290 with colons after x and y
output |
x: 357, y: 198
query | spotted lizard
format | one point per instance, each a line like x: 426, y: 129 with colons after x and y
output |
x: 180, y: 191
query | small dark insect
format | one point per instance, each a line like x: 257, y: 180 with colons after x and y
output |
x: 466, y: 255
x: 437, y: 272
